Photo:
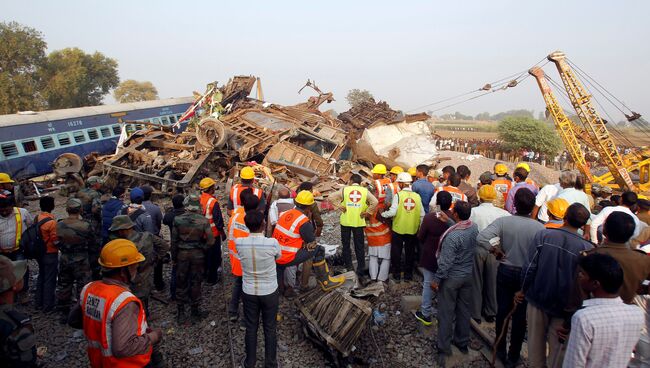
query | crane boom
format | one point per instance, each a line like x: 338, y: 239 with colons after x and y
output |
x: 593, y: 123
x: 562, y: 123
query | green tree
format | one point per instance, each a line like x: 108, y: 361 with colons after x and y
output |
x: 132, y: 91
x: 356, y: 96
x: 72, y: 78
x: 483, y: 116
x: 525, y: 132
x: 513, y: 113
x: 22, y: 52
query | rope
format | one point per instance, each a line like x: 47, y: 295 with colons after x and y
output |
x: 372, y: 334
x: 504, y: 331
x: 589, y: 77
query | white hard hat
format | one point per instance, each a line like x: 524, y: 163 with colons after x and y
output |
x: 404, y: 177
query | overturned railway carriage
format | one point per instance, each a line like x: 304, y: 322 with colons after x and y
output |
x: 29, y: 142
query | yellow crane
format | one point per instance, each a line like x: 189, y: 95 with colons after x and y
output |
x: 562, y: 123
x: 593, y: 123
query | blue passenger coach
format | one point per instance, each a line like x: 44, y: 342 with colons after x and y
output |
x: 29, y: 142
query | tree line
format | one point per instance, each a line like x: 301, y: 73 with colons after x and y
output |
x: 30, y: 79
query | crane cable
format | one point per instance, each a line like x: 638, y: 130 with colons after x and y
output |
x: 562, y: 92
x: 643, y: 127
x: 497, y: 85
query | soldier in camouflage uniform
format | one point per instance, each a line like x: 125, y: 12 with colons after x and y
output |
x: 17, y: 341
x: 75, y: 239
x: 191, y: 237
x: 152, y: 247
x: 92, y: 212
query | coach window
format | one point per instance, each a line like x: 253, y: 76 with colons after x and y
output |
x: 92, y: 134
x: 79, y: 136
x: 156, y: 121
x: 116, y: 129
x: 47, y: 142
x: 172, y: 119
x: 9, y: 149
x: 105, y: 132
x: 165, y: 120
x: 63, y: 139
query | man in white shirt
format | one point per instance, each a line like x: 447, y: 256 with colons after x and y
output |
x: 628, y: 200
x: 545, y: 194
x: 605, y: 331
x: 283, y: 203
x: 13, y: 223
x: 484, y: 291
x: 569, y: 192
x: 257, y: 255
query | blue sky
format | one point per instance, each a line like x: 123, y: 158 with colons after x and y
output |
x: 409, y: 53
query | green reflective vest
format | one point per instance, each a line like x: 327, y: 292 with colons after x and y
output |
x: 407, y: 219
x: 354, y: 201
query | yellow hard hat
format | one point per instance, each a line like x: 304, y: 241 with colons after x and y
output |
x: 523, y: 165
x: 119, y: 253
x: 305, y: 197
x: 487, y: 193
x: 412, y: 171
x: 500, y: 169
x: 557, y: 207
x: 379, y: 169
x: 247, y: 173
x: 5, y: 178
x: 396, y: 170
x: 206, y: 183
x: 641, y: 196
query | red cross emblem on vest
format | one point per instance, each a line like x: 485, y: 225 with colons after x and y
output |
x: 409, y: 204
x: 355, y: 196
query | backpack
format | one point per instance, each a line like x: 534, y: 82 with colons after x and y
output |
x: 31, y: 241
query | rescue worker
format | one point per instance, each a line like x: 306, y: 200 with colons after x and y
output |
x: 502, y: 183
x: 407, y: 213
x: 556, y: 208
x: 452, y: 188
x: 247, y: 176
x: 394, y: 171
x: 92, y: 212
x: 138, y: 213
x: 377, y: 231
x: 413, y: 172
x: 191, y: 237
x: 152, y: 247
x: 13, y: 223
x: 317, y: 222
x: 237, y: 229
x: 526, y: 167
x: 356, y: 204
x: 212, y: 212
x: 111, y: 208
x: 171, y: 213
x: 17, y: 340
x: 113, y: 319
x: 76, y: 237
x: 296, y: 236
x: 8, y: 188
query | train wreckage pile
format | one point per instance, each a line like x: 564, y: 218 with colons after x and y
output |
x: 285, y: 145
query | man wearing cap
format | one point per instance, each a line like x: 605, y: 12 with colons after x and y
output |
x: 212, y: 212
x: 13, y: 222
x: 407, y: 212
x: 152, y: 247
x: 113, y: 319
x: 296, y: 236
x: 487, y: 179
x: 502, y: 182
x: 526, y: 167
x: 247, y: 177
x: 75, y: 239
x: 556, y: 209
x: 394, y: 171
x: 17, y: 340
x: 191, y: 238
x: 484, y: 290
x: 356, y: 204
x: 8, y: 187
x: 138, y: 214
x: 644, y: 209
